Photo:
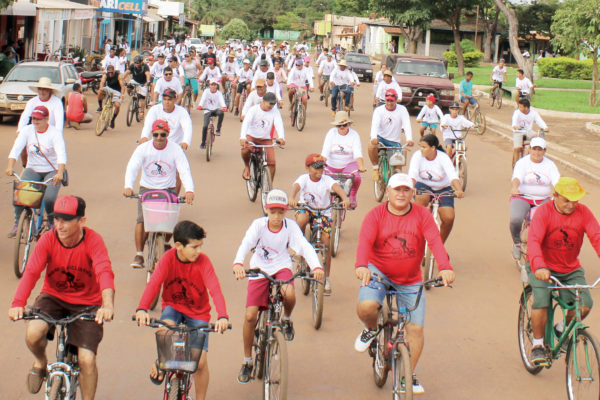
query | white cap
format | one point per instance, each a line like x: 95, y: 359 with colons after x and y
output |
x: 246, y: 61
x: 537, y: 142
x: 400, y: 179
x: 277, y: 198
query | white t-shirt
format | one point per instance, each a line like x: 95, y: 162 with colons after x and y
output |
x: 431, y: 115
x: 122, y: 64
x: 54, y: 106
x: 437, y: 173
x: 390, y: 124
x: 458, y: 123
x: 252, y: 100
x: 230, y: 68
x: 341, y: 150
x: 180, y: 123
x: 299, y: 77
x: 159, y: 167
x: 245, y: 76
x: 271, y: 248
x: 524, y: 85
x: 51, y: 143
x: 498, y: 74
x: 316, y: 194
x: 339, y: 77
x: 384, y: 86
x: 260, y: 74
x: 162, y: 84
x: 157, y: 69
x: 525, y: 121
x: 327, y: 67
x: 108, y: 60
x: 212, y: 101
x: 211, y: 73
x: 536, y: 179
x: 275, y: 89
x: 258, y: 123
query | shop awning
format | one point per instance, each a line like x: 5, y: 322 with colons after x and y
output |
x: 152, y: 18
x: 21, y: 8
x: 63, y: 4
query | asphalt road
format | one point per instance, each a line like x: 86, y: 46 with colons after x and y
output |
x: 471, y: 347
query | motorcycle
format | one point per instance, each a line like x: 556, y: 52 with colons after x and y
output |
x: 91, y: 80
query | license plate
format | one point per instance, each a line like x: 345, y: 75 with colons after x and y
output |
x: 359, y: 75
x: 18, y: 106
x: 421, y: 103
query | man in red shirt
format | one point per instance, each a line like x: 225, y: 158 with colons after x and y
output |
x: 391, y: 244
x: 553, y: 245
x: 78, y: 275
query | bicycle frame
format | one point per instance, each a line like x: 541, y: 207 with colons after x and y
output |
x: 385, y: 169
x: 526, y: 140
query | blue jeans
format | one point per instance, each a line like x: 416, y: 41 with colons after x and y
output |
x: 49, y: 196
x: 171, y: 314
x: 348, y: 90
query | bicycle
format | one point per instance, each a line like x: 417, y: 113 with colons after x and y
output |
x: 230, y: 93
x: 495, y: 95
x: 210, y: 138
x: 179, y: 350
x: 338, y: 212
x: 474, y: 114
x: 391, y: 160
x: 134, y: 104
x: 428, y: 264
x: 521, y: 262
x: 341, y: 99
x: 582, y: 353
x: 108, y: 110
x: 187, y: 101
x: 389, y: 349
x: 243, y: 98
x: 269, y: 349
x: 326, y: 91
x: 528, y: 134
x: 317, y: 288
x: 260, y: 175
x: 459, y: 158
x: 298, y: 114
x: 31, y: 224
x: 63, y: 374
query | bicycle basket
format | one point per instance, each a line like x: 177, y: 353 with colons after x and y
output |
x: 28, y: 194
x: 398, y: 158
x: 160, y: 210
x: 179, y: 351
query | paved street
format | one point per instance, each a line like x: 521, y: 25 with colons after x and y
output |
x: 471, y: 349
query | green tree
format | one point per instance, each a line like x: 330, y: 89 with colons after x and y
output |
x: 513, y: 34
x: 288, y: 21
x: 576, y: 26
x: 351, y: 7
x: 236, y: 28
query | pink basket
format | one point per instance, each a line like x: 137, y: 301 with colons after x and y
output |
x: 160, y: 216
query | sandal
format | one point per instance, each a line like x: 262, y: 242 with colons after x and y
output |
x: 160, y: 374
x: 35, y: 378
x: 244, y: 176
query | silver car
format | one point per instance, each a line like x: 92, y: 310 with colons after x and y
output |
x: 15, y: 91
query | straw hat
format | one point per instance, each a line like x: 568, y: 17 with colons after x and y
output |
x: 341, y: 118
x: 343, y: 63
x: 43, y: 83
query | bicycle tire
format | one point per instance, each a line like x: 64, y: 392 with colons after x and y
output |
x: 210, y: 138
x: 402, y: 370
x: 173, y: 393
x: 276, y: 371
x: 158, y: 249
x: 525, y: 331
x: 266, y: 186
x: 586, y: 379
x: 492, y: 97
x: 232, y: 93
x: 130, y: 112
x: 379, y: 185
x: 462, y: 172
x: 103, y: 120
x: 300, y: 117
x: 304, y: 283
x: 137, y: 110
x: 318, y: 293
x: 56, y: 385
x: 381, y: 364
x: 479, y: 121
x: 499, y: 100
x: 524, y: 231
x: 260, y: 333
x: 336, y: 228
x: 22, y: 242
x: 326, y: 94
x: 252, y: 182
x: 428, y: 265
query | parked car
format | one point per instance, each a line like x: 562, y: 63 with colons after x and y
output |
x: 15, y: 91
x: 361, y: 64
x: 419, y: 76
x: 195, y: 43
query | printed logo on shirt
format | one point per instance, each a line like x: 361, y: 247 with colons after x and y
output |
x: 564, y: 238
x: 399, y: 246
x: 430, y: 176
x: 268, y: 254
x: 533, y: 178
x: 158, y: 168
x: 36, y: 149
x: 66, y: 281
x: 340, y: 149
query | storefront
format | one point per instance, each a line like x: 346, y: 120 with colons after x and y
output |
x: 17, y: 26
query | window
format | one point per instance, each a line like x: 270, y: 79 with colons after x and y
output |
x: 357, y: 58
x: 25, y: 73
x: 422, y: 68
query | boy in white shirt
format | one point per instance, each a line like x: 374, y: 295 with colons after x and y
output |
x: 455, y: 122
x: 498, y: 75
x: 522, y: 121
x: 523, y: 86
x: 315, y: 191
x: 213, y: 104
x: 271, y: 237
x: 429, y: 116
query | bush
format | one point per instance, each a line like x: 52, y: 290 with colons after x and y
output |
x: 565, y: 68
x: 466, y: 45
x: 235, y: 29
x: 471, y: 58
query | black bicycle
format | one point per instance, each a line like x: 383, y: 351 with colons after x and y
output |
x: 134, y: 105
x: 338, y: 212
x: 260, y: 175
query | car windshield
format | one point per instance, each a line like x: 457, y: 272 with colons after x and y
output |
x: 422, y: 68
x: 196, y: 41
x: 25, y: 73
x: 355, y: 58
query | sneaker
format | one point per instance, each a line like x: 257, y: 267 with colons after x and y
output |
x: 376, y: 176
x: 287, y: 326
x: 236, y: 113
x: 516, y: 251
x: 138, y: 261
x: 364, y: 339
x: 322, y: 98
x: 353, y: 205
x: 327, y: 291
x: 99, y: 109
x: 538, y: 356
x: 245, y: 373
x: 218, y: 133
x: 202, y: 146
x: 417, y: 387
x: 112, y: 123
x: 13, y: 232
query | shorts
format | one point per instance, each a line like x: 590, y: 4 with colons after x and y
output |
x: 156, y: 78
x: 197, y: 337
x: 432, y: 125
x: 116, y: 95
x: 499, y: 83
x: 445, y: 201
x: 241, y: 86
x: 542, y: 297
x: 305, y: 95
x: 449, y: 142
x: 471, y: 100
x: 269, y: 151
x: 324, y: 78
x: 376, y: 291
x: 258, y: 289
x: 519, y: 137
x: 140, y: 214
x: 324, y: 222
x: 193, y: 83
x: 388, y: 143
x: 84, y: 334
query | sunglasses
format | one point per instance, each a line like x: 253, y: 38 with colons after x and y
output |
x: 160, y: 134
x: 343, y: 125
x: 317, y: 166
x: 168, y: 74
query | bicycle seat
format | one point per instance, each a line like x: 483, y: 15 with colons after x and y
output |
x: 91, y: 74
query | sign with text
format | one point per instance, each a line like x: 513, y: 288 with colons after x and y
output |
x: 121, y: 6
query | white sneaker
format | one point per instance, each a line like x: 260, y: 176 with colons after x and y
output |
x: 417, y: 387
x: 327, y: 291
x: 364, y: 339
x: 516, y: 251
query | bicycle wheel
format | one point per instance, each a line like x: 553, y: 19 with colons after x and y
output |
x: 258, y: 347
x: 318, y: 290
x: 173, y: 393
x: 157, y: 249
x: 523, y: 259
x: 381, y: 365
x: 232, y: 93
x: 137, y: 110
x: 252, y: 182
x: 23, y: 242
x: 479, y: 121
x: 304, y: 283
x: 583, y: 366
x: 379, y: 185
x: 300, y: 117
x: 499, y: 100
x: 428, y: 266
x: 266, y: 186
x: 492, y: 97
x: 525, y: 330
x: 56, y: 388
x: 336, y: 228
x: 131, y: 109
x: 402, y: 374
x: 210, y: 138
x: 326, y: 94
x: 103, y: 120
x: 276, y: 371
x: 462, y: 172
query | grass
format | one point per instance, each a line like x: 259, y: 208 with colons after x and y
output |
x: 564, y: 101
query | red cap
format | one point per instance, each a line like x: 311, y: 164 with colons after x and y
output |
x: 210, y: 61
x: 170, y: 93
x: 160, y: 125
x: 391, y: 93
x: 40, y: 112
x: 431, y: 97
x: 69, y: 207
x: 314, y: 158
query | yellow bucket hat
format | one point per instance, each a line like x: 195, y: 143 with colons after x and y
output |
x: 569, y: 188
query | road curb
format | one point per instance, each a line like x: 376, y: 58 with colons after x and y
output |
x: 551, y: 146
x: 592, y: 127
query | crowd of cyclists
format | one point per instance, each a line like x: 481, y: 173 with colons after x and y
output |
x: 393, y: 236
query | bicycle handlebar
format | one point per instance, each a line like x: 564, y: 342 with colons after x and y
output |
x: 157, y: 323
x: 255, y: 272
x: 180, y: 199
x: 560, y: 285
x: 304, y: 206
x: 46, y: 182
x: 435, y: 282
x: 465, y: 131
x: 35, y: 313
x: 276, y: 144
x: 450, y: 193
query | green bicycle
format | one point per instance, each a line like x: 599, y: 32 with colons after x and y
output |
x: 391, y: 160
x: 583, y: 358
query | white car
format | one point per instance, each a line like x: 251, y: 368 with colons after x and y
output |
x: 195, y: 43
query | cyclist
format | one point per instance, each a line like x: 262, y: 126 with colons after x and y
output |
x: 456, y: 122
x: 297, y: 79
x: 255, y: 97
x: 140, y: 75
x: 387, y: 83
x: 263, y: 60
x: 326, y: 67
x: 259, y: 127
x: 195, y: 276
x: 465, y: 90
x: 209, y: 55
x: 158, y: 49
x: 167, y: 82
x: 341, y: 80
x: 160, y: 160
x: 210, y: 72
x: 244, y: 80
x: 342, y: 151
x: 213, y: 104
x: 230, y: 69
x: 315, y: 190
x: 111, y: 59
x: 273, y: 87
x: 391, y: 244
x: 532, y: 181
x: 112, y: 84
x: 174, y: 64
x: 498, y: 75
x: 430, y: 115
x: 553, y: 246
x: 523, y: 119
x: 271, y: 237
x: 75, y: 251
x: 46, y: 158
x: 432, y: 170
x: 376, y: 81
x: 387, y: 126
x: 190, y: 71
x: 261, y: 72
x: 46, y: 97
x: 523, y: 86
x: 280, y: 74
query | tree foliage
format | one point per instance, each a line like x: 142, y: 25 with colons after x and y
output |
x: 237, y: 29
x: 536, y: 17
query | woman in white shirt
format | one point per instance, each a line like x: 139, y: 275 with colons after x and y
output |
x: 431, y: 169
x: 343, y: 152
x: 532, y: 181
x: 122, y: 62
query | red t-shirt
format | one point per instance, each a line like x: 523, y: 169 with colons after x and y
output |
x: 395, y: 244
x: 76, y: 275
x: 554, y: 240
x: 184, y: 287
